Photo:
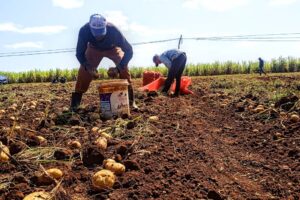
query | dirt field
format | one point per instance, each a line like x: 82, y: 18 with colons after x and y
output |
x: 211, y: 145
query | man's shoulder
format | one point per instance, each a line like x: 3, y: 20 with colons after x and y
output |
x: 85, y: 28
x: 111, y: 27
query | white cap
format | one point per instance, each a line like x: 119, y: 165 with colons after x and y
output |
x: 97, y: 25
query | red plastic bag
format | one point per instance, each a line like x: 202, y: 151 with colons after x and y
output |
x: 159, y: 83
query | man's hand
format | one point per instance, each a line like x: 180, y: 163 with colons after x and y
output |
x: 113, y: 72
x: 93, y: 72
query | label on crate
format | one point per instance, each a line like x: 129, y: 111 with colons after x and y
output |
x: 114, y: 103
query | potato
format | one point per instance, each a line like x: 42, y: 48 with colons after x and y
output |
x: 259, y: 109
x: 17, y: 128
x: 32, y: 107
x: 12, y: 118
x: 105, y: 135
x: 33, y: 103
x: 101, y: 142
x: 223, y: 105
x: 113, y: 166
x: 153, y: 118
x: 250, y: 107
x: 103, y: 179
x: 38, y: 196
x: 295, y: 118
x: 3, y: 154
x: 65, y: 109
x: 260, y: 106
x: 95, y: 130
x: 2, y: 112
x: 108, y: 160
x: 74, y: 144
x: 55, y: 173
x: 41, y: 139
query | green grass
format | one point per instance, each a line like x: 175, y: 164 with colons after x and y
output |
x: 280, y: 65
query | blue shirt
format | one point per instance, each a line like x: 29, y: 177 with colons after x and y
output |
x: 168, y: 56
x: 113, y: 38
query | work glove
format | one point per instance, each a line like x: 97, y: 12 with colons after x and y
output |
x: 113, y: 72
x: 92, y: 71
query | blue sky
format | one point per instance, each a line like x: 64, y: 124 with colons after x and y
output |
x: 54, y: 24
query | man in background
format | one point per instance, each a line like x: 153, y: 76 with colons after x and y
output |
x: 175, y: 61
x: 261, y: 66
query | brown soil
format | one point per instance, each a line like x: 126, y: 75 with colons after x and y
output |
x: 197, y: 150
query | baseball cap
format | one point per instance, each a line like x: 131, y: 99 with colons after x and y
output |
x: 98, y: 25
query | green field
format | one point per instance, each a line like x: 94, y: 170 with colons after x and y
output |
x: 280, y: 65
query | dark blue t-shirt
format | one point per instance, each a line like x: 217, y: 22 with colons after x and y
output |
x: 113, y: 38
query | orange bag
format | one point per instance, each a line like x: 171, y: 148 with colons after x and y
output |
x: 150, y: 76
x: 159, y: 83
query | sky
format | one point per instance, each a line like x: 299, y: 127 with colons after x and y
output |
x: 36, y: 25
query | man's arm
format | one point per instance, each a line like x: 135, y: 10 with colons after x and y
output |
x: 81, y: 47
x: 126, y: 48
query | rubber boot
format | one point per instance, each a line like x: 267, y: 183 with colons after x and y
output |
x: 75, y: 101
x: 131, y: 98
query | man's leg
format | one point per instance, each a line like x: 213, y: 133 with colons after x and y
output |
x: 264, y: 72
x: 260, y: 71
x: 182, y: 62
x: 84, y: 78
x: 171, y: 76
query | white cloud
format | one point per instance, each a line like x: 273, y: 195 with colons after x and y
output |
x: 35, y: 45
x: 123, y: 23
x: 11, y: 27
x: 118, y: 19
x: 68, y: 4
x: 215, y: 5
x: 281, y: 2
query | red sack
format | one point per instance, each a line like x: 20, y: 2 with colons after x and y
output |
x: 159, y: 83
x: 150, y: 76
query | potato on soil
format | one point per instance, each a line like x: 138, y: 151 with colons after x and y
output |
x: 38, y: 196
x: 101, y: 142
x: 113, y: 166
x: 223, y: 105
x: 259, y: 109
x: 103, y: 179
x: 295, y: 118
x: 94, y: 130
x: 105, y: 135
x: 41, y: 139
x: 74, y: 144
x: 54, y: 173
x: 153, y: 118
x: 3, y: 153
